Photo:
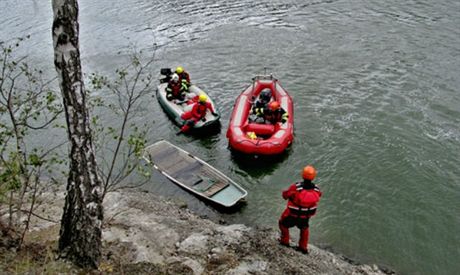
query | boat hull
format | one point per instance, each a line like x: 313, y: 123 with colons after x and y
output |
x: 276, y: 138
x: 194, y: 174
x: 175, y: 111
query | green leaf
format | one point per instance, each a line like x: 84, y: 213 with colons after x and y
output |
x: 35, y: 160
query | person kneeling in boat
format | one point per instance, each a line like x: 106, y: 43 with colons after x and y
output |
x: 275, y: 113
x: 184, y: 77
x: 197, y: 113
x: 303, y: 198
x: 257, y: 111
x: 175, y: 89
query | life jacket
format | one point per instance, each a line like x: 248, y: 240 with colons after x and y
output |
x: 199, y: 110
x: 259, y: 106
x: 184, y: 77
x: 305, y: 201
x: 274, y: 116
x: 175, y: 88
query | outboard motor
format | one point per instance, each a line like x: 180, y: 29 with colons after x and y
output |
x: 165, y: 74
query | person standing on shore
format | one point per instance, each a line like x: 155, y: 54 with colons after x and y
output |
x: 303, y: 198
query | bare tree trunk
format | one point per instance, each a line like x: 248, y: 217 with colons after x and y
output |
x: 80, y: 235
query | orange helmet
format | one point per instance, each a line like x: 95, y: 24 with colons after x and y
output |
x: 308, y: 172
x: 274, y: 105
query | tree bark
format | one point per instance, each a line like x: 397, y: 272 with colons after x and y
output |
x: 80, y: 234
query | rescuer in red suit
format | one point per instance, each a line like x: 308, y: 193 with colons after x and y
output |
x: 197, y: 113
x: 273, y: 113
x: 184, y: 77
x: 175, y: 89
x: 303, y: 198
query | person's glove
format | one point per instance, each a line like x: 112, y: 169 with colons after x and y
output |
x: 215, y: 114
x: 203, y: 119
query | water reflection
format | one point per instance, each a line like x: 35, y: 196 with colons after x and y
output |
x: 209, y: 134
x: 258, y: 166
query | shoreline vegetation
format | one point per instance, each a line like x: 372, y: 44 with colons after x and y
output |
x: 147, y: 234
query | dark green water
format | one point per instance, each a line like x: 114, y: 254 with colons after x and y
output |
x: 377, y: 107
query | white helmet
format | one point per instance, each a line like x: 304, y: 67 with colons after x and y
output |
x: 174, y: 77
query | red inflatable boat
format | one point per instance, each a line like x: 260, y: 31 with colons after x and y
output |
x: 260, y: 138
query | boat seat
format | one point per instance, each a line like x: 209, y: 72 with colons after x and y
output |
x: 216, y: 187
x: 210, y: 187
x: 203, y: 185
x: 260, y: 129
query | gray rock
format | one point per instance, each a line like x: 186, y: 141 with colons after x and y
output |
x: 195, y: 244
x: 195, y: 266
x: 232, y: 234
x: 254, y: 267
x: 144, y: 228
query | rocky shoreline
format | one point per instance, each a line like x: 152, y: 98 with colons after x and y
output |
x: 147, y: 234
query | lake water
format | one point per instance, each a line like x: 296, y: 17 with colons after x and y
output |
x: 377, y: 107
